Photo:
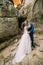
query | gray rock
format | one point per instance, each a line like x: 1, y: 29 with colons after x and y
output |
x: 1, y: 60
x: 8, y: 27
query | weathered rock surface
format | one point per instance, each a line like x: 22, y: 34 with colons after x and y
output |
x: 8, y: 27
x: 8, y: 20
x: 38, y: 14
x: 34, y: 58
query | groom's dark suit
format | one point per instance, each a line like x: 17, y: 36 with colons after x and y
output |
x: 31, y: 30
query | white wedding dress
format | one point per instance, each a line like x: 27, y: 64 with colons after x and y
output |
x: 23, y: 48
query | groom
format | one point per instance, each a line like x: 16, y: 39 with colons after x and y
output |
x: 30, y: 28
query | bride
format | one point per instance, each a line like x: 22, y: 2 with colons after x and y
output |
x: 24, y: 47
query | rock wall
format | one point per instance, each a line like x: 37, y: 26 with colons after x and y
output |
x: 8, y: 27
x: 8, y: 20
x: 38, y: 15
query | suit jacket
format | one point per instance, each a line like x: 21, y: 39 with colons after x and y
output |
x: 31, y: 29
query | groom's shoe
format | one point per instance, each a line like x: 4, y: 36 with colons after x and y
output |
x: 33, y: 45
x: 33, y: 48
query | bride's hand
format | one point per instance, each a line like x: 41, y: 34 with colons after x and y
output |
x: 26, y: 27
x: 28, y: 32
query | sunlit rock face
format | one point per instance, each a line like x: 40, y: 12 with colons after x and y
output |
x: 26, y: 8
x: 28, y: 2
x: 38, y: 14
x: 38, y: 8
x: 17, y: 2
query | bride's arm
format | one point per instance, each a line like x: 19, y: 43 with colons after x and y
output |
x: 27, y: 27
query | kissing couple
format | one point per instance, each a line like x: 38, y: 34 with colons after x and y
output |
x: 26, y: 42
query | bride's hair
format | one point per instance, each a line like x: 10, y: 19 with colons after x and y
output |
x: 23, y: 25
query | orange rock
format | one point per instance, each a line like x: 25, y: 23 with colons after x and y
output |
x: 16, y: 2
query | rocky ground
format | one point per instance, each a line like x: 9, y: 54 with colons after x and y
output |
x: 9, y: 27
x: 34, y: 58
